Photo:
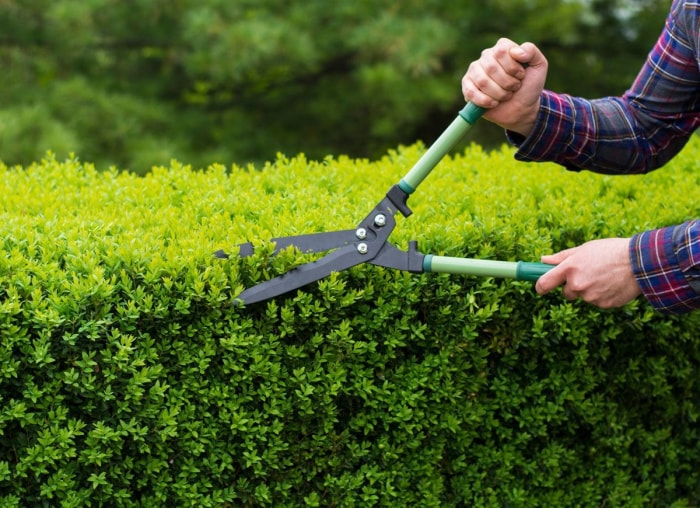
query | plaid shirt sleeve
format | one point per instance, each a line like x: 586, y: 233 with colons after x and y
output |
x: 636, y: 133
x: 666, y: 263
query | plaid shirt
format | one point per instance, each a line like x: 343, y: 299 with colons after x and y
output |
x: 636, y: 133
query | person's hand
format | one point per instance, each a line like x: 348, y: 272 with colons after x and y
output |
x: 599, y: 272
x: 500, y: 82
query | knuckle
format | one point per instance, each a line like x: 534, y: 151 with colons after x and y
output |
x: 490, y: 67
x: 575, y: 286
x: 481, y: 81
x: 570, y: 296
x: 501, y: 51
x: 503, y: 42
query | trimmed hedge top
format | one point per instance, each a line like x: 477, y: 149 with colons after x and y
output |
x: 127, y: 378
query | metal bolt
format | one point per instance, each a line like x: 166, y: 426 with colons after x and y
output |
x: 362, y: 248
x: 361, y: 233
x: 380, y: 220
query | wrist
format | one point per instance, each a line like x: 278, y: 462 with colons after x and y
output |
x: 525, y: 132
x: 526, y: 125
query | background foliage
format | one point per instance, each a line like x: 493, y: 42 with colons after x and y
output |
x: 135, y: 83
x: 128, y: 379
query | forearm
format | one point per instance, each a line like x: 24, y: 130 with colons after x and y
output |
x: 606, y: 135
x: 637, y: 132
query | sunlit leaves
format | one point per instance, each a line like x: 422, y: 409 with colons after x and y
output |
x: 128, y: 378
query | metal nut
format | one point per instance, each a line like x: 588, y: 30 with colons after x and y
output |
x: 362, y: 248
x: 361, y: 233
x: 380, y: 220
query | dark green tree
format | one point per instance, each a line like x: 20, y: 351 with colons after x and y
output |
x: 135, y: 83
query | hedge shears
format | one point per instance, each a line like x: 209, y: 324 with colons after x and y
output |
x: 368, y: 242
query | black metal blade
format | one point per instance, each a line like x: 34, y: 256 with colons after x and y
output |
x: 391, y: 257
x: 337, y: 261
x: 314, y: 242
x: 354, y: 246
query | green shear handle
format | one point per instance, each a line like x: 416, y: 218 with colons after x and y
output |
x: 448, y: 139
x: 518, y: 270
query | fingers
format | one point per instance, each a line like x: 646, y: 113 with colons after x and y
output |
x: 499, y: 82
x: 555, y: 259
x: 598, y: 272
x: 528, y: 53
x: 554, y: 278
x: 557, y: 276
x: 561, y: 275
x: 500, y: 71
x: 496, y: 75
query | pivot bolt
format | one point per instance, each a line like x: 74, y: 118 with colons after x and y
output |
x: 362, y: 248
x: 380, y: 220
x: 361, y: 233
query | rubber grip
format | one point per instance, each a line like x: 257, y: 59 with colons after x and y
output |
x: 531, y: 271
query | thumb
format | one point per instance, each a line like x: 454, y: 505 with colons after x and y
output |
x: 528, y: 53
x: 557, y: 275
x: 550, y: 280
x: 555, y: 259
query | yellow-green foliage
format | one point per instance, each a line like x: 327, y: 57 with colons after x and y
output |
x: 128, y: 379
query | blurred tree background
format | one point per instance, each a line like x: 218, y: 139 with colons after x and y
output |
x: 134, y: 83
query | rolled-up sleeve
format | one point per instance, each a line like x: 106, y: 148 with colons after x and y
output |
x: 666, y: 264
x: 637, y: 132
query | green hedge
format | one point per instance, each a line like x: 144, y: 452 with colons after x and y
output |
x: 127, y: 378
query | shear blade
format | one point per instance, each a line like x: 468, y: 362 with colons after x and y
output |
x: 300, y: 276
x: 314, y: 242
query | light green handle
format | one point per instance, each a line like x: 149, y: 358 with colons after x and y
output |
x: 518, y: 270
x: 447, y: 140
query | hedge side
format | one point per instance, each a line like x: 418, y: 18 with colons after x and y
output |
x: 127, y: 378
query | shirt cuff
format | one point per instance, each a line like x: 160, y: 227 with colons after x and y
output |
x: 528, y: 150
x: 662, y: 262
x: 551, y: 132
